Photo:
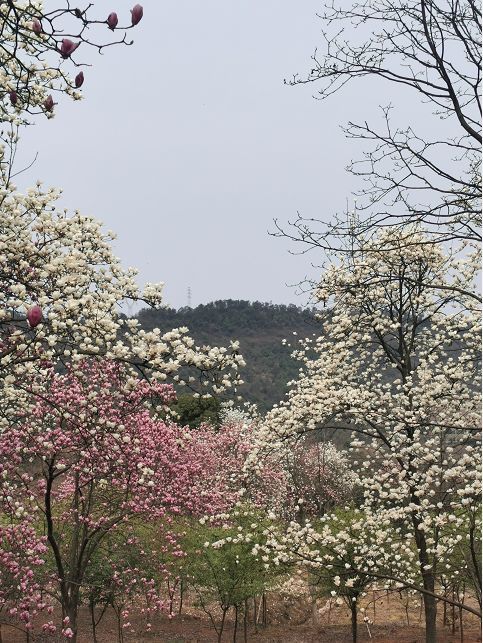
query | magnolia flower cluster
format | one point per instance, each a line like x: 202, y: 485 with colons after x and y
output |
x: 38, y: 45
x: 21, y: 553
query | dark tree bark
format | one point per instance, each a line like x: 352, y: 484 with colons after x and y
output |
x: 235, y: 625
x: 92, y: 608
x: 222, y: 624
x: 245, y: 622
x: 353, y: 606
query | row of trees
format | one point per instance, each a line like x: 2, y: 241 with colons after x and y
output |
x: 107, y: 501
x: 102, y: 498
x: 90, y: 457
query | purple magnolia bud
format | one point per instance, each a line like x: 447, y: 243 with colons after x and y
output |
x: 79, y: 79
x: 49, y: 103
x: 136, y: 14
x: 13, y: 97
x: 68, y: 47
x: 112, y: 20
x: 34, y: 316
x: 36, y: 26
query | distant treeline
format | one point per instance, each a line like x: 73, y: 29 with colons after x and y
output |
x: 260, y: 328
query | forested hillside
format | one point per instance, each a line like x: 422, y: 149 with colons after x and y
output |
x: 260, y: 328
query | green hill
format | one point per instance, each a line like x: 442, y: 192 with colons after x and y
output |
x: 260, y: 329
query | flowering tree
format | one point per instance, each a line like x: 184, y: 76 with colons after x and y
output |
x: 42, y: 46
x: 62, y: 287
x: 61, y: 292
x: 80, y: 452
x: 319, y: 477
x: 89, y: 457
x: 221, y: 567
x: 227, y: 449
x: 22, y: 552
x: 127, y: 572
x: 397, y: 365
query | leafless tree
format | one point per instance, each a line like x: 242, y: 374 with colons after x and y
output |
x: 431, y: 48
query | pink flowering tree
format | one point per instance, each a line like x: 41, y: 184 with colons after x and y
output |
x: 127, y: 574
x: 225, y: 451
x: 22, y: 553
x: 93, y: 455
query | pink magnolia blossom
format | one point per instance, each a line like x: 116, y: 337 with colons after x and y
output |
x: 136, y: 14
x: 97, y: 428
x: 112, y: 20
x: 79, y: 79
x: 21, y: 553
x: 68, y: 47
x: 34, y: 316
x: 49, y: 103
x: 36, y: 26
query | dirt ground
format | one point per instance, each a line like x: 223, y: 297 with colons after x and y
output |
x: 395, y: 620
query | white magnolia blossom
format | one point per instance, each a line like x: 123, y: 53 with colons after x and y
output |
x: 397, y: 366
x: 231, y: 414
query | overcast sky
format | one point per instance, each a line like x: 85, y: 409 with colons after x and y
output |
x: 188, y: 144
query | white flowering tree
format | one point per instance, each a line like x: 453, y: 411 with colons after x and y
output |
x: 397, y: 365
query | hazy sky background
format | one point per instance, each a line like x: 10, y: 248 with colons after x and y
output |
x: 188, y: 144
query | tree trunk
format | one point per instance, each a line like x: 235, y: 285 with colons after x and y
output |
x: 93, y: 621
x: 181, y: 596
x: 255, y: 614
x: 354, y: 621
x: 222, y: 625
x: 71, y: 612
x: 120, y: 633
x: 235, y: 627
x: 427, y: 575
x: 453, y: 616
x: 430, y: 617
x: 245, y: 622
